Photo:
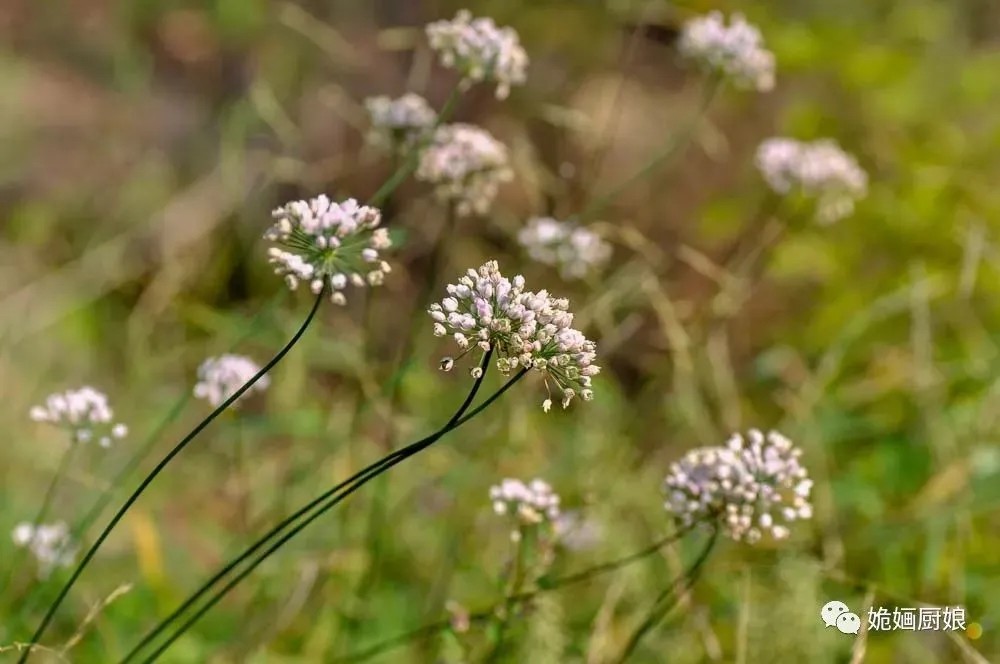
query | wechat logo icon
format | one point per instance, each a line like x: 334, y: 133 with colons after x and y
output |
x: 837, y: 614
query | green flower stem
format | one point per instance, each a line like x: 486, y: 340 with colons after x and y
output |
x: 513, y: 589
x: 410, y: 163
x: 370, y: 473
x: 331, y: 498
x: 158, y: 469
x: 78, y: 531
x: 83, y: 525
x: 667, y: 599
x: 544, y: 585
x: 43, y: 511
x: 404, y: 363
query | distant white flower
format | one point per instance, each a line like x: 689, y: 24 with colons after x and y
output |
x: 529, y: 504
x: 486, y: 310
x: 399, y: 124
x: 329, y: 244
x: 751, y: 486
x: 466, y: 165
x: 49, y: 544
x: 576, y: 532
x: 220, y: 377
x: 574, y: 249
x: 735, y: 50
x: 85, y: 412
x: 480, y: 51
x: 819, y: 170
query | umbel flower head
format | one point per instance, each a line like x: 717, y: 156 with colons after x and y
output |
x: 530, y: 504
x: 220, y: 377
x: 466, y: 165
x: 486, y: 310
x: 753, y: 485
x: 819, y: 170
x: 573, y: 249
x: 735, y: 50
x: 399, y: 124
x: 328, y: 244
x: 480, y: 51
x: 84, y: 412
x: 50, y: 544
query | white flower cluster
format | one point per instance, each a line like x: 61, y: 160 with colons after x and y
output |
x: 574, y: 249
x: 735, y: 50
x: 466, y: 165
x: 751, y: 486
x: 480, y: 50
x: 524, y: 328
x: 220, y: 377
x: 329, y: 244
x: 49, y: 544
x: 399, y: 124
x: 819, y: 169
x: 531, y: 504
x: 85, y: 412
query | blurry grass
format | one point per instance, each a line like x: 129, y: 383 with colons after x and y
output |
x: 870, y: 343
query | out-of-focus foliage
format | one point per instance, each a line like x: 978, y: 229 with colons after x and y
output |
x: 143, y: 144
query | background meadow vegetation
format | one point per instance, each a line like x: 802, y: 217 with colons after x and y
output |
x: 144, y: 144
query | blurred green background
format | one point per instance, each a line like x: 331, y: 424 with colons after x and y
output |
x: 144, y: 143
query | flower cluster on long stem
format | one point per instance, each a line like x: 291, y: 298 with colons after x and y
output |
x: 485, y: 310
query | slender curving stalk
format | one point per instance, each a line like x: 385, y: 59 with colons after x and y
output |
x: 668, y: 598
x: 515, y: 582
x: 43, y: 511
x: 158, y: 469
x: 108, y: 493
x: 351, y: 484
x: 544, y: 585
x: 404, y: 362
x: 374, y: 471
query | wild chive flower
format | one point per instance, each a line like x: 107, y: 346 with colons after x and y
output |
x: 573, y: 249
x: 329, y: 244
x: 735, y: 50
x: 220, y: 377
x: 753, y: 485
x: 487, y: 310
x: 399, y: 124
x: 85, y: 412
x: 529, y: 504
x: 819, y: 170
x: 50, y: 544
x: 480, y: 51
x: 466, y: 165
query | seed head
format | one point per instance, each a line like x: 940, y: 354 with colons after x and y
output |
x: 751, y: 486
x: 573, y: 249
x: 328, y: 244
x: 84, y: 412
x: 50, y: 544
x: 399, y: 124
x: 480, y: 51
x: 220, y: 377
x: 819, y: 170
x: 735, y: 50
x: 466, y: 165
